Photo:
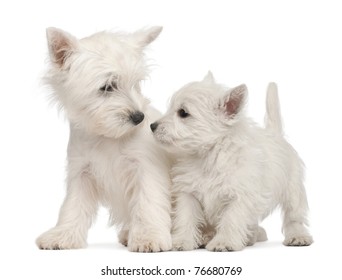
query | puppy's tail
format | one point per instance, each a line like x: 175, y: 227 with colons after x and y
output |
x: 273, y: 120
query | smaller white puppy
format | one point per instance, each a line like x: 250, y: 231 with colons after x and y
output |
x: 230, y: 173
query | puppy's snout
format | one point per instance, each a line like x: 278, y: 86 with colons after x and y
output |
x: 154, y: 126
x: 137, y: 117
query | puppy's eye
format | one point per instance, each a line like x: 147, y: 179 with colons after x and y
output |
x: 109, y: 87
x: 183, y: 114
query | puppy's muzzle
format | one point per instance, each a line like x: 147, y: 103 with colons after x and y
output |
x: 154, y: 126
x: 137, y: 117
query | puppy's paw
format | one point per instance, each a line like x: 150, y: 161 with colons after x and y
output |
x: 184, y: 245
x: 258, y: 234
x: 123, y: 237
x: 59, y: 239
x: 305, y: 240
x: 149, y: 245
x: 261, y: 234
x: 217, y: 245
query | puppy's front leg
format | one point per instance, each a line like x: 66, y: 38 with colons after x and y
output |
x: 150, y: 207
x: 75, y: 217
x: 188, y: 217
x: 232, y: 233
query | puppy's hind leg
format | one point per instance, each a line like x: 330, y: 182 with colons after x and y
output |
x: 75, y: 217
x: 295, y: 209
x: 258, y: 234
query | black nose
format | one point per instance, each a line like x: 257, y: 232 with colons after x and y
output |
x: 137, y: 117
x: 154, y: 126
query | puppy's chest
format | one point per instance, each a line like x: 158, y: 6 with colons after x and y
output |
x: 212, y: 191
x: 208, y: 181
x: 106, y: 160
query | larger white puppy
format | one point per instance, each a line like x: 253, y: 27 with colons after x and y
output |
x: 231, y: 173
x: 113, y: 159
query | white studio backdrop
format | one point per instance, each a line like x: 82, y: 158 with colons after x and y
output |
x: 294, y: 43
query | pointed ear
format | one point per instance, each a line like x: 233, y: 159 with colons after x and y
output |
x: 209, y: 78
x: 61, y: 45
x: 235, y: 100
x: 146, y: 36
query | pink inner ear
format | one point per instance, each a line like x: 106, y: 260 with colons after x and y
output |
x: 60, y: 47
x: 61, y: 52
x: 235, y: 100
x: 232, y: 105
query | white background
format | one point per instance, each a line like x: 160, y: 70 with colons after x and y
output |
x: 294, y: 43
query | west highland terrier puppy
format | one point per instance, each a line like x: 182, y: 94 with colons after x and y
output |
x: 113, y: 159
x: 230, y: 173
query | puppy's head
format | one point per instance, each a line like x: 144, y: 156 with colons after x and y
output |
x: 199, y: 114
x: 96, y: 80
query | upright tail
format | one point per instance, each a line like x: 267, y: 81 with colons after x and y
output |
x: 273, y: 120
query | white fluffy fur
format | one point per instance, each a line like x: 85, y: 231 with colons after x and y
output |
x: 111, y: 160
x: 230, y: 173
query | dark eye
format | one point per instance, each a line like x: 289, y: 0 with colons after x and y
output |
x: 183, y: 114
x: 109, y: 87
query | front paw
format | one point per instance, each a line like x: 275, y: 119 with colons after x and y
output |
x: 298, y: 241
x: 224, y: 245
x: 184, y: 245
x: 59, y: 239
x: 149, y: 244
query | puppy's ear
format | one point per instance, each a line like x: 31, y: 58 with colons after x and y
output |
x: 235, y: 100
x: 61, y: 45
x: 209, y: 78
x: 146, y: 36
